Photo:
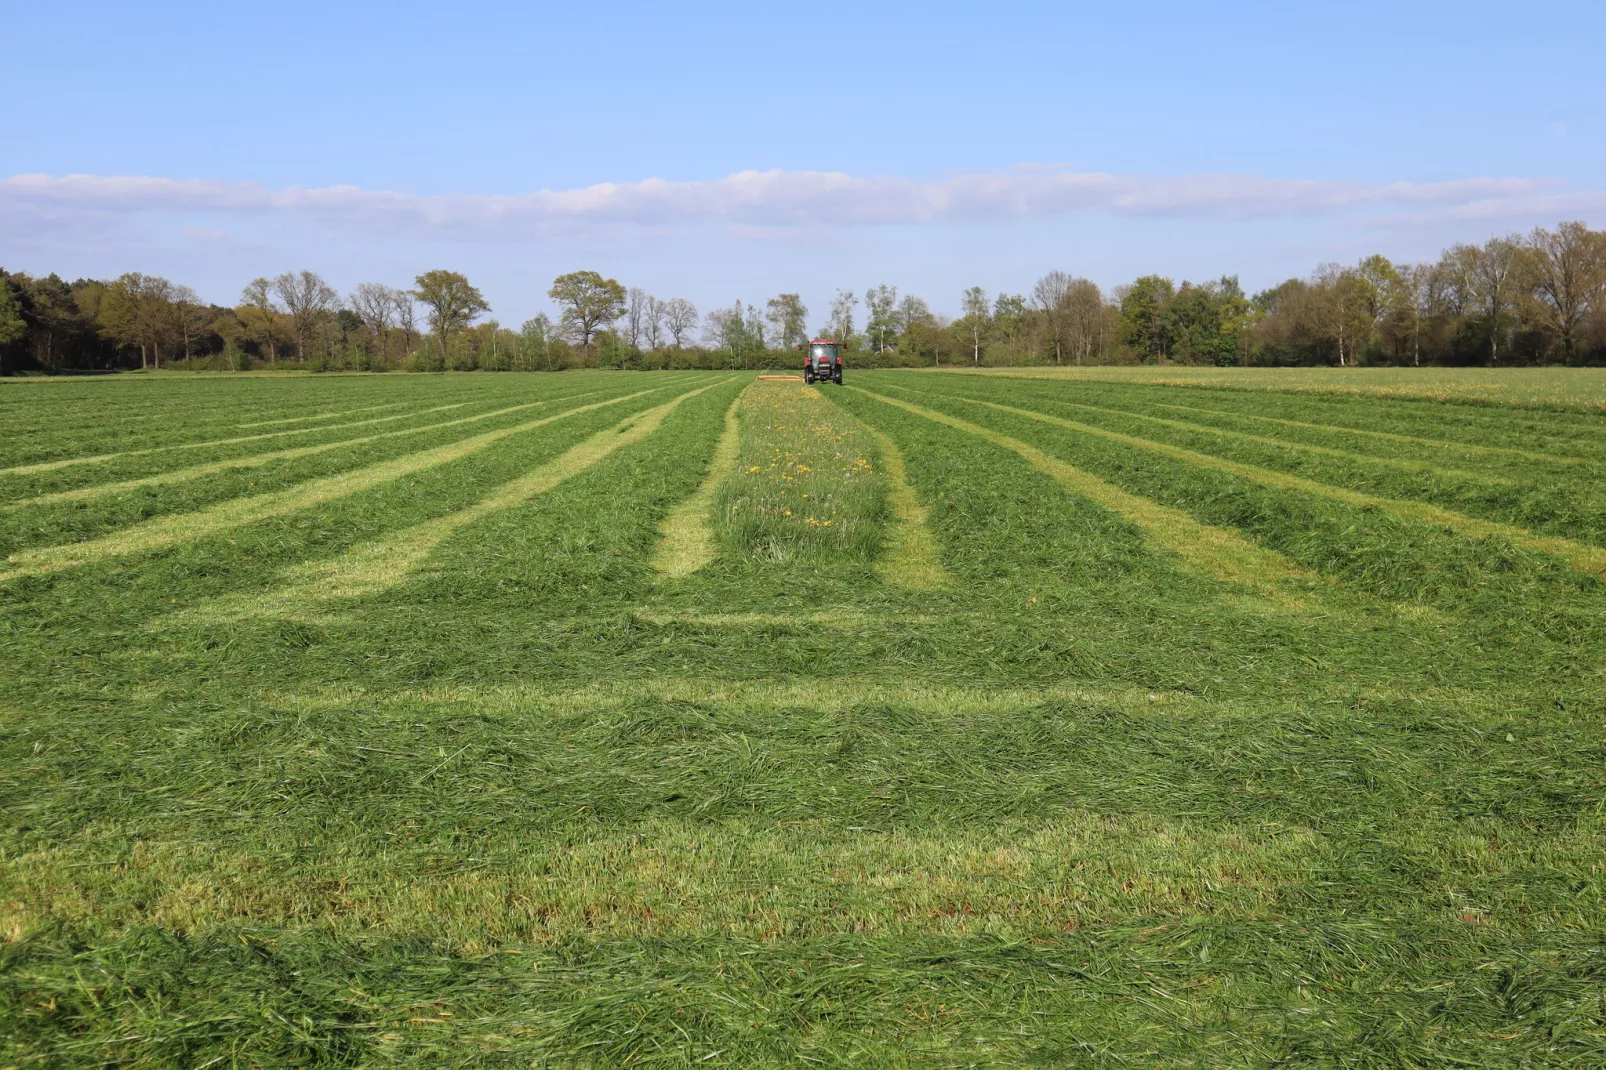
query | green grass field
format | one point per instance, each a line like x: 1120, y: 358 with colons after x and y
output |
x: 614, y: 719
x: 1580, y: 389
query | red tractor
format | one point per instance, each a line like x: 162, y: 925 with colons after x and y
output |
x: 822, y: 359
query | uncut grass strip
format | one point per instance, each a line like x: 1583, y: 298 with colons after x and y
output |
x: 911, y: 558
x: 805, y: 488
x: 687, y: 536
x: 1580, y: 555
x: 376, y: 566
x: 170, y: 530
x: 47, y: 466
x: 1216, y: 551
x: 254, y: 460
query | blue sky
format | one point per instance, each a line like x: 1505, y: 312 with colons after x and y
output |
x: 724, y: 151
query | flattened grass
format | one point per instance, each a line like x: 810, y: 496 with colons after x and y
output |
x: 1215, y: 551
x: 688, y: 535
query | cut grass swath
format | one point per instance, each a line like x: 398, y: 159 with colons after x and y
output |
x: 319, y: 416
x: 101, y: 458
x: 1421, y: 467
x: 1580, y: 555
x: 186, y: 527
x: 376, y: 566
x: 687, y: 542
x: 255, y: 460
x: 1388, y: 436
x: 1215, y: 551
x: 910, y: 559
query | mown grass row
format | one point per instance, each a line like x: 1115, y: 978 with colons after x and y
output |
x: 78, y: 516
x: 59, y: 421
x: 1561, y: 500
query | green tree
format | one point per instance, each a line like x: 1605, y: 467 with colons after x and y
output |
x: 1566, y: 272
x: 1208, y: 322
x: 1146, y: 317
x: 12, y: 325
x: 1009, y: 318
x: 136, y: 311
x: 535, y: 343
x: 841, y: 326
x: 788, y: 318
x: 976, y: 321
x: 589, y: 302
x: 260, y: 316
x: 453, y: 304
x: 881, y: 302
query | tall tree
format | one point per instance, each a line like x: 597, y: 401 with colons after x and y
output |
x: 1567, y: 271
x: 1145, y: 317
x: 1382, y: 290
x: 452, y: 302
x: 680, y: 319
x: 637, y: 307
x: 841, y: 327
x: 1009, y: 318
x: 1493, y: 275
x: 190, y: 318
x: 731, y: 329
x: 406, y: 306
x: 1050, y: 296
x: 788, y: 318
x: 1340, y: 307
x: 13, y: 328
x: 912, y: 312
x: 376, y: 307
x: 976, y: 320
x: 308, y: 299
x: 589, y: 302
x: 656, y: 310
x: 536, y: 337
x: 880, y: 303
x: 260, y: 315
x: 136, y: 312
x: 1422, y: 295
x: 1085, y: 314
x: 1483, y: 285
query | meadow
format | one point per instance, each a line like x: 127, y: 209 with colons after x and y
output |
x: 604, y: 719
x: 1580, y: 389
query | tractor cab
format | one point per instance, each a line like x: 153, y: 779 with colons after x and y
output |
x: 822, y: 359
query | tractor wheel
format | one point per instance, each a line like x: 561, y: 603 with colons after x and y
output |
x: 838, y: 378
x: 808, y: 377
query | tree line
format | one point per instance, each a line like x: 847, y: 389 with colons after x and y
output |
x: 1517, y: 299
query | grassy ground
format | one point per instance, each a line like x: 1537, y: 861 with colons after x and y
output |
x: 1581, y: 389
x: 612, y: 719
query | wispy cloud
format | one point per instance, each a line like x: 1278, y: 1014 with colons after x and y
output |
x: 753, y: 200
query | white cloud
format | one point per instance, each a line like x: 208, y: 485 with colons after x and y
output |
x: 752, y: 201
